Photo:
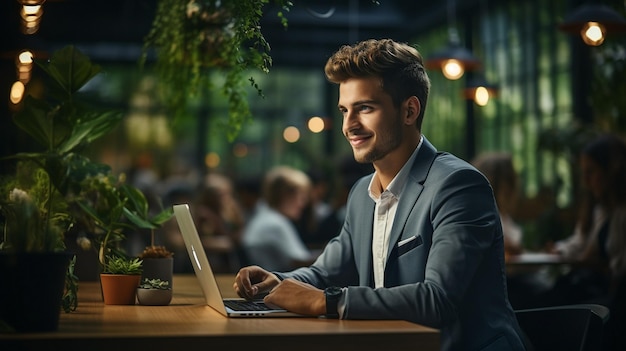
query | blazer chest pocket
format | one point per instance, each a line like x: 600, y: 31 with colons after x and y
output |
x: 409, y: 244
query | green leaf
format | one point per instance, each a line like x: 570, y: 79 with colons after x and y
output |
x: 136, y: 200
x: 162, y: 217
x: 70, y: 69
x: 91, y: 130
x: 138, y: 221
x: 34, y: 120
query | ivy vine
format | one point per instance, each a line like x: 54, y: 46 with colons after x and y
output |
x: 192, y: 38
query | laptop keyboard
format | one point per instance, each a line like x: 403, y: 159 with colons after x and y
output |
x: 244, y: 305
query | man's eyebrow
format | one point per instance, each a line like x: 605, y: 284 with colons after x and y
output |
x: 361, y: 102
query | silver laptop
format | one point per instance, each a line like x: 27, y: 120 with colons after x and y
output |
x: 212, y: 295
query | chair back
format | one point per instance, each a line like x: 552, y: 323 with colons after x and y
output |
x: 566, y: 328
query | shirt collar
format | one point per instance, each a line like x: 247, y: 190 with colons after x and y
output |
x: 398, y: 182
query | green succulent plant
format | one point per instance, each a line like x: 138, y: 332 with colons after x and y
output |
x: 156, y: 284
x: 123, y: 265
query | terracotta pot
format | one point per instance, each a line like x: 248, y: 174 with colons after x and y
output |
x: 119, y: 289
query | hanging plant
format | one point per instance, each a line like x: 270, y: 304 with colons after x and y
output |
x: 192, y: 38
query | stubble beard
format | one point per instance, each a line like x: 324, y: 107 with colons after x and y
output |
x: 389, y: 140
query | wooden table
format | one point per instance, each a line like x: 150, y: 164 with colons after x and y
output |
x: 188, y: 324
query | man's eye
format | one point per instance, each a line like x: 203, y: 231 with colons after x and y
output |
x: 365, y: 108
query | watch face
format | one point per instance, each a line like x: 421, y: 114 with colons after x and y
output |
x: 333, y: 291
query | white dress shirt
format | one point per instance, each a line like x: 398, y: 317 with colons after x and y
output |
x: 384, y: 213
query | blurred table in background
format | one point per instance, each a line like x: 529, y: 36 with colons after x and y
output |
x: 535, y: 259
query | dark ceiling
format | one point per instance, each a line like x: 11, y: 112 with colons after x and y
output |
x: 113, y: 30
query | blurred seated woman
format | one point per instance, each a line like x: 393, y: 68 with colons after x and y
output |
x: 599, y: 238
x: 499, y: 170
x: 270, y: 238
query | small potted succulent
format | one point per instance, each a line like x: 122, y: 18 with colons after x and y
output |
x: 154, y: 292
x: 120, y: 279
x: 158, y: 263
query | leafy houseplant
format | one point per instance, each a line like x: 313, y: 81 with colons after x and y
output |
x: 120, y: 279
x: 112, y: 207
x: 61, y: 124
x: 154, y: 292
x: 192, y: 37
x: 73, y: 193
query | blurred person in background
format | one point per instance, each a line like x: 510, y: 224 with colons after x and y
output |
x: 349, y: 172
x: 218, y: 211
x: 499, y: 170
x: 248, y: 192
x: 271, y: 238
x: 598, y: 242
x: 220, y: 222
x: 525, y: 286
x: 317, y: 208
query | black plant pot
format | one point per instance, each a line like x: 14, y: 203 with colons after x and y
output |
x: 158, y: 268
x: 31, y: 289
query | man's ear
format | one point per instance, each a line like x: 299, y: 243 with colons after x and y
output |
x: 413, y: 108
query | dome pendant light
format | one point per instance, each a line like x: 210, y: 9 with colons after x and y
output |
x: 454, y: 59
x: 593, y: 23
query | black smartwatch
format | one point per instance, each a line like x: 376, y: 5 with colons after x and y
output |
x: 332, y: 294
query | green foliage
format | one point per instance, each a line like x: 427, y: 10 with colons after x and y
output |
x: 138, y: 213
x: 190, y: 38
x: 102, y: 204
x: 123, y: 265
x: 66, y: 190
x: 69, y: 301
x: 61, y: 122
x: 609, y: 67
x: 157, y: 284
x: 27, y: 227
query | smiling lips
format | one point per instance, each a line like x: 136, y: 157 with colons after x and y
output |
x: 358, y: 140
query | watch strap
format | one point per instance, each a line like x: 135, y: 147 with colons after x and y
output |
x: 333, y: 294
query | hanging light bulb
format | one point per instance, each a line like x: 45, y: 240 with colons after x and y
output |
x: 478, y: 90
x: 481, y: 96
x: 452, y: 69
x: 17, y: 92
x: 593, y: 33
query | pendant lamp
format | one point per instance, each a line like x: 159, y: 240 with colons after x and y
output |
x: 593, y: 22
x: 454, y: 59
x: 479, y: 90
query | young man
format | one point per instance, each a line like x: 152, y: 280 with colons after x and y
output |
x: 422, y: 239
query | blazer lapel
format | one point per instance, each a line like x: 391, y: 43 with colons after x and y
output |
x: 411, y: 192
x: 363, y: 232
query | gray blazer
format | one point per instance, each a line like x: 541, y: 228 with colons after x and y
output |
x: 445, y: 265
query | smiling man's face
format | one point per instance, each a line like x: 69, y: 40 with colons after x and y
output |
x: 371, y: 123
